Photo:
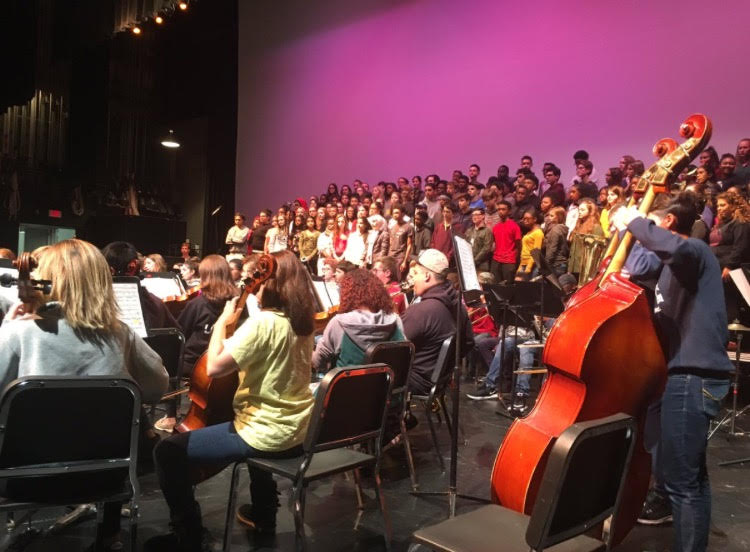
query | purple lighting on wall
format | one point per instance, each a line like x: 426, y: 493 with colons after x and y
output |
x: 433, y: 85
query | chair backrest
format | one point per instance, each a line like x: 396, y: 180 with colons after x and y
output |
x: 583, y: 480
x: 169, y: 344
x: 61, y: 425
x: 398, y: 356
x: 350, y: 407
x: 446, y: 361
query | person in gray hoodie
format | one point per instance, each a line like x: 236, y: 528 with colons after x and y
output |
x: 77, y: 333
x: 366, y: 316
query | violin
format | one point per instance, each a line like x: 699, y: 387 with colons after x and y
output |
x: 177, y: 303
x: 30, y: 291
x: 594, y: 367
x: 211, y: 398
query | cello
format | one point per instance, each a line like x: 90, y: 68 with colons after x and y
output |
x: 211, y: 398
x: 594, y: 368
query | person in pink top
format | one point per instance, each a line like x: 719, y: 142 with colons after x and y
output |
x: 507, y: 236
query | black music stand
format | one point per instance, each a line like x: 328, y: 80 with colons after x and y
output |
x: 468, y: 287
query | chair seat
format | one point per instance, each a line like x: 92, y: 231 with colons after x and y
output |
x: 492, y: 528
x: 323, y: 463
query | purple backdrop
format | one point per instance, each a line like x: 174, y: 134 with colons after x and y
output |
x: 332, y: 91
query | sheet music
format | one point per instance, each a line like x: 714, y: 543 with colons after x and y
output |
x: 466, y: 267
x: 328, y: 294
x: 738, y: 276
x: 126, y: 295
x: 163, y: 287
x: 10, y: 293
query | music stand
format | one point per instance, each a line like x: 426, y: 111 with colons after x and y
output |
x: 740, y: 280
x: 468, y: 283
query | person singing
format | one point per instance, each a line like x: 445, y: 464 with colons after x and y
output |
x: 238, y: 236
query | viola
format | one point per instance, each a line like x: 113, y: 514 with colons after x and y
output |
x: 594, y: 368
x: 211, y: 398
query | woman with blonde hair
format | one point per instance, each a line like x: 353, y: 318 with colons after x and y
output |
x: 76, y: 332
x: 197, y: 319
x: 154, y: 263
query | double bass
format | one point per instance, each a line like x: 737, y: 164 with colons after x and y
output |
x: 603, y: 357
x: 211, y: 398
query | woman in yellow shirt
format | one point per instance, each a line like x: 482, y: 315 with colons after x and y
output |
x: 532, y: 239
x: 272, y: 405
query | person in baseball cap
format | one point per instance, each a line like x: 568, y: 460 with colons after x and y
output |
x: 428, y: 322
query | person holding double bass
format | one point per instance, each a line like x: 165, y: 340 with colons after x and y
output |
x: 272, y: 406
x: 691, y: 322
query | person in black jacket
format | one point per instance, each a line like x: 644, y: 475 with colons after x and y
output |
x: 198, y: 318
x: 691, y: 321
x: 428, y: 322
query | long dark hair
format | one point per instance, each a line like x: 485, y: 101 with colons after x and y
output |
x: 216, y: 280
x: 288, y: 290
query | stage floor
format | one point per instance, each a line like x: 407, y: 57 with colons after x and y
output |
x: 332, y: 523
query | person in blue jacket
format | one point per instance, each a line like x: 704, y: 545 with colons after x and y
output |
x: 691, y: 321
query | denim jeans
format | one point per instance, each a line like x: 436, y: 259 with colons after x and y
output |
x: 679, y: 452
x: 179, y: 458
x: 496, y: 362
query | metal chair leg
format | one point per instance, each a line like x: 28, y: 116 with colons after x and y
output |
x: 434, y: 437
x: 409, y: 457
x: 448, y: 420
x: 358, y: 489
x: 383, y: 511
x: 299, y: 515
x: 133, y: 526
x: 231, y: 506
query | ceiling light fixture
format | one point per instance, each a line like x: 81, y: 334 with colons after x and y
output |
x: 183, y: 5
x: 136, y: 30
x: 158, y: 19
x: 170, y: 140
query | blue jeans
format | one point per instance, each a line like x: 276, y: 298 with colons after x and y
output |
x: 180, y: 458
x: 496, y: 361
x: 679, y: 452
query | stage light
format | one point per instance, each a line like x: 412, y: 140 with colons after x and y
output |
x: 183, y: 5
x: 170, y: 140
x: 158, y: 19
x: 136, y: 30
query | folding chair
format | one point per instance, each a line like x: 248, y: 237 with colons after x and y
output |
x: 350, y: 407
x: 70, y: 441
x: 169, y: 344
x: 399, y: 356
x: 581, y: 487
x: 441, y: 377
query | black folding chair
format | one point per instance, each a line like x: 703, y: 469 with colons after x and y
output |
x: 67, y: 441
x: 169, y: 344
x: 441, y: 378
x: 399, y: 356
x: 350, y: 407
x: 581, y: 487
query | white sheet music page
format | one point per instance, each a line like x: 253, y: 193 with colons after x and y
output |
x: 466, y: 264
x: 126, y: 295
x: 738, y: 276
x: 163, y: 287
